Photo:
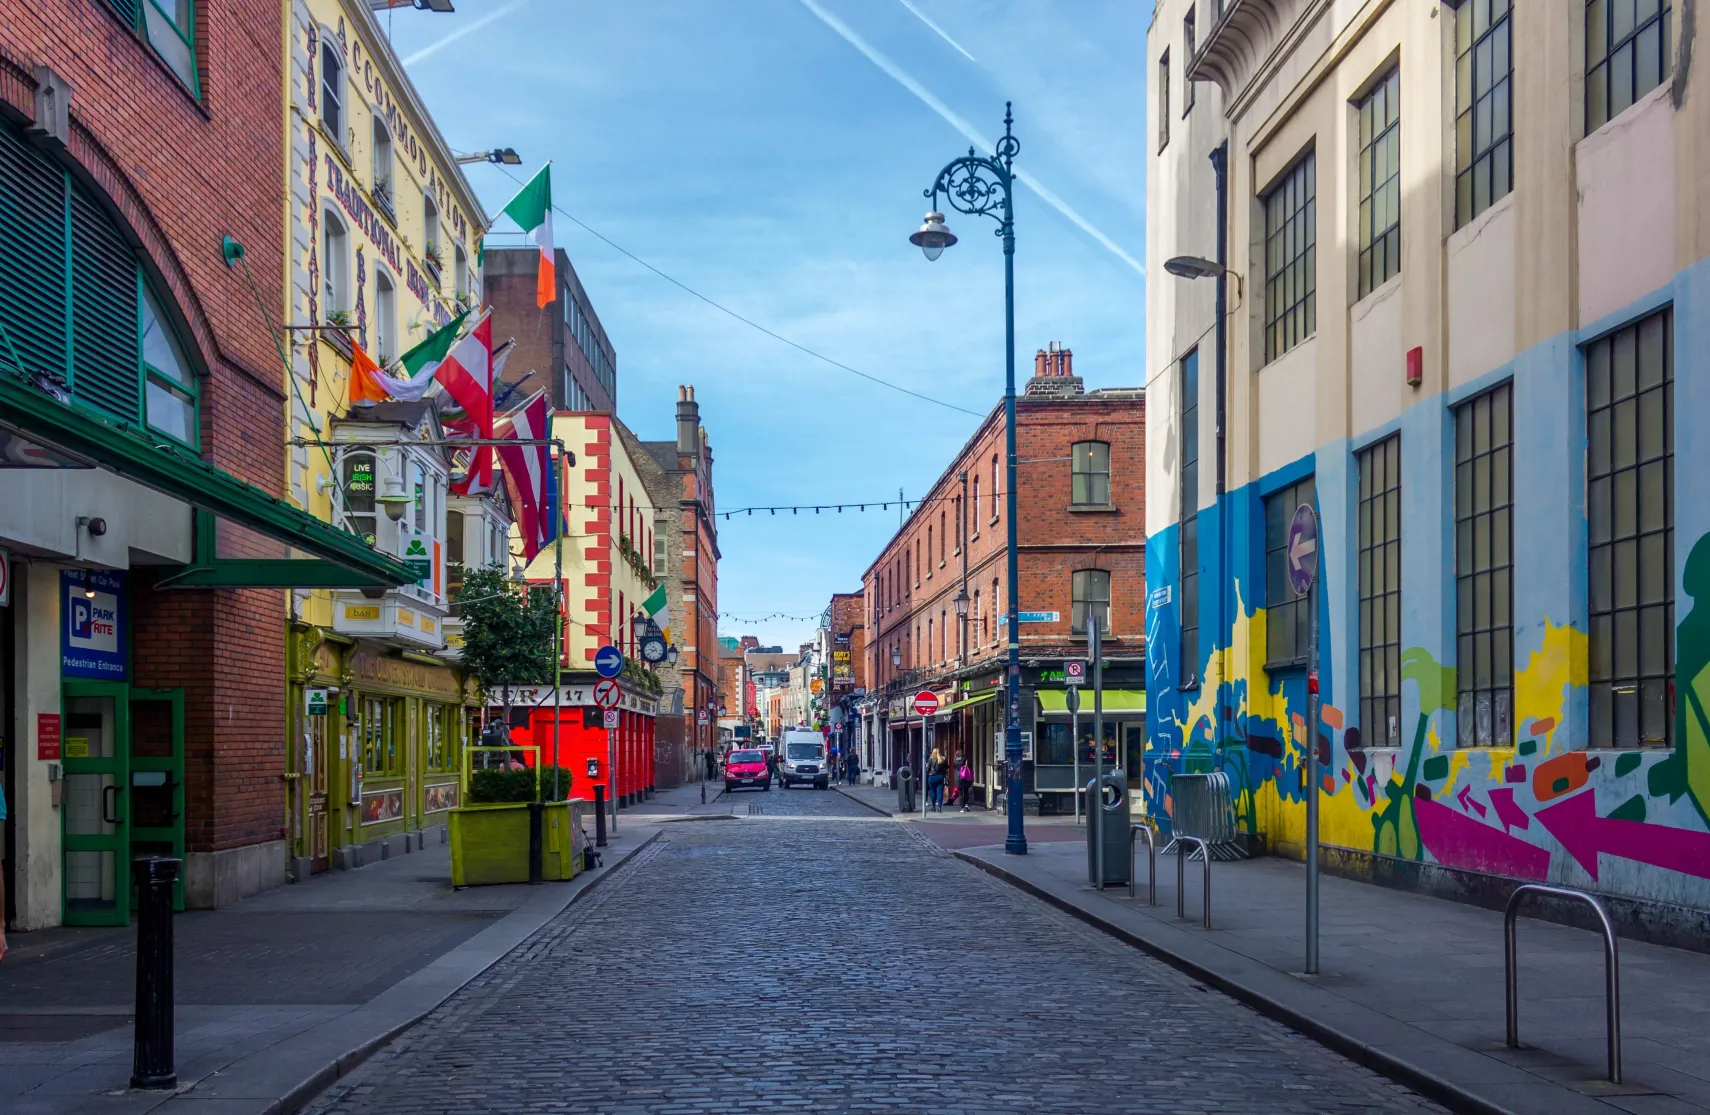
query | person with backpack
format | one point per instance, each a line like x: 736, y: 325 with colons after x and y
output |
x: 937, y: 772
x: 964, y: 781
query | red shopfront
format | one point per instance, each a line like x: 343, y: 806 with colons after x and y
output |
x: 584, y: 745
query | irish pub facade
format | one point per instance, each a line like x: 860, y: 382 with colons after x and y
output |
x: 382, y: 234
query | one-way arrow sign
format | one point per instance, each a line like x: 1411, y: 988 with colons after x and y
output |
x: 1302, y: 549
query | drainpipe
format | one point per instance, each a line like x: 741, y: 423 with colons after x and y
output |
x: 962, y: 544
x: 1219, y: 166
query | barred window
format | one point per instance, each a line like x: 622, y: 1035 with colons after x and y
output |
x: 1484, y: 125
x: 1380, y: 592
x: 1288, y: 623
x: 1291, y: 257
x: 1626, y: 55
x: 1484, y: 593
x: 1380, y: 182
x: 1629, y: 395
x: 1189, y: 540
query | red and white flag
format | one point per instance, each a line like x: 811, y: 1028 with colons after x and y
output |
x: 528, y: 470
x: 466, y: 373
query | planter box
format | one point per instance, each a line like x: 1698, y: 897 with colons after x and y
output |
x: 489, y: 842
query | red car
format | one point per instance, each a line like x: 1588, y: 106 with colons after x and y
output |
x: 746, y: 768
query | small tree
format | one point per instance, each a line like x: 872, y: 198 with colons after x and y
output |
x: 510, y: 632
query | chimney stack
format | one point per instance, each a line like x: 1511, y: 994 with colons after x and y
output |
x: 688, y: 422
x: 1054, y: 373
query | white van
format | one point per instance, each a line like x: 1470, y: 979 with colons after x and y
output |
x: 802, y: 759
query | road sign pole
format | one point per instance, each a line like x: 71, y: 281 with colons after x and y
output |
x: 1312, y: 780
x: 1074, y: 699
x: 1095, y: 807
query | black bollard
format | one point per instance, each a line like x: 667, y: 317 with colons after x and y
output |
x: 599, y: 815
x: 535, y: 811
x: 151, y: 1060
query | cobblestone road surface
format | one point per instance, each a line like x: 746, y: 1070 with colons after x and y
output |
x: 819, y: 958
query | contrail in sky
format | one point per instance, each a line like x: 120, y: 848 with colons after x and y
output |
x: 907, y: 82
x: 466, y: 29
x: 942, y: 34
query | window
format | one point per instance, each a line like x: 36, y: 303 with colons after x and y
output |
x: 335, y: 266
x: 169, y: 388
x: 444, y: 744
x: 1629, y: 396
x: 1484, y: 124
x: 385, y: 319
x: 943, y: 539
x: 1187, y: 60
x: 1164, y: 101
x: 994, y: 487
x: 381, y: 725
x: 976, y: 508
x: 460, y: 272
x: 1288, y: 622
x: 1089, y: 474
x: 1626, y: 55
x: 382, y: 164
x: 929, y: 551
x: 170, y: 27
x: 430, y: 233
x: 456, y: 563
x: 979, y: 620
x: 1091, y: 598
x: 661, y: 557
x: 332, y: 89
x: 1189, y: 517
x: 1380, y: 183
x: 1291, y: 258
x: 358, y: 469
x: 1380, y: 592
x: 1484, y: 594
x: 943, y: 636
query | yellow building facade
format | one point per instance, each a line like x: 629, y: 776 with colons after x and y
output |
x: 382, y: 240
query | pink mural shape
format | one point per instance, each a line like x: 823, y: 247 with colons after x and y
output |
x: 1510, y: 814
x: 1456, y: 840
x: 1469, y: 804
x: 1575, y: 823
x: 1515, y: 774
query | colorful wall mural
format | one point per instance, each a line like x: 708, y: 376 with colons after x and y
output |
x: 1554, y: 805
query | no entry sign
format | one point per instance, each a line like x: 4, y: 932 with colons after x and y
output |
x: 925, y: 702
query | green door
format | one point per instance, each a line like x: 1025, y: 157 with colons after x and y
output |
x: 156, y: 809
x: 95, y: 751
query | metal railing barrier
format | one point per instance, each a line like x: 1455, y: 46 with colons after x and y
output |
x: 1202, y: 805
x: 1181, y: 875
x: 1151, y: 863
x: 1611, y: 967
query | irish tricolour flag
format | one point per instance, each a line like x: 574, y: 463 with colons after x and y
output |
x: 531, y: 209
x: 655, y: 608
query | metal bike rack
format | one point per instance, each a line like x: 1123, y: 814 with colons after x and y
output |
x: 1151, y: 863
x: 1181, y: 875
x: 1611, y: 967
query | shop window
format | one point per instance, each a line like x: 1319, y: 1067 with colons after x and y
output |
x: 1089, y: 474
x: 1629, y: 395
x: 1379, y: 230
x: 382, y: 727
x: 1380, y: 592
x: 1627, y: 54
x: 358, y: 467
x: 1288, y: 622
x: 1091, y: 595
x: 1291, y: 258
x: 1484, y: 126
x: 442, y: 736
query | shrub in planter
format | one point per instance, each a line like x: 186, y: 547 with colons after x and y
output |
x: 506, y: 785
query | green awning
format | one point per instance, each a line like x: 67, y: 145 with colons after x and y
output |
x: 117, y: 447
x: 1055, y: 702
x: 977, y: 698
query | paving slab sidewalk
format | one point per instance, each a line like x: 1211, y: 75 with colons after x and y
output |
x: 278, y: 995
x: 1412, y: 986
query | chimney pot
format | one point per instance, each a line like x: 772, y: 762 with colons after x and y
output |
x: 1039, y: 363
x: 1068, y: 361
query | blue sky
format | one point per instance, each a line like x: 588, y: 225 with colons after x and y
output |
x: 752, y: 151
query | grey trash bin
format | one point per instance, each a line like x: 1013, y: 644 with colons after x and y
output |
x: 905, y: 790
x: 1107, y: 822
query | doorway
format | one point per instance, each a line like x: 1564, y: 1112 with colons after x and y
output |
x: 123, y: 756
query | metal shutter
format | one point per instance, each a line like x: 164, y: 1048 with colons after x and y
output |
x: 32, y: 256
x: 106, y: 351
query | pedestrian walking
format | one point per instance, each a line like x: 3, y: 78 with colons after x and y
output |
x: 964, y: 781
x: 937, y: 771
x: 854, y: 769
x: 771, y: 767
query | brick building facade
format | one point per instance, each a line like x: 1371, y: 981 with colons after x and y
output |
x: 561, y: 348
x: 1080, y: 458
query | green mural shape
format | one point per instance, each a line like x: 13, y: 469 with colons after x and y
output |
x: 1397, y: 833
x: 1628, y: 763
x: 1633, y: 809
x: 1436, y: 768
x: 1436, y: 683
x: 1689, y: 766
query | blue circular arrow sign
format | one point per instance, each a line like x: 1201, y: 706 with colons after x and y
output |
x: 608, y: 662
x: 1302, y: 552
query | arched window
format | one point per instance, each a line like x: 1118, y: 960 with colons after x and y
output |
x: 169, y: 388
x: 385, y: 318
x: 460, y: 272
x: 430, y: 233
x: 975, y: 508
x: 332, y: 87
x: 994, y: 486
x: 382, y: 164
x: 929, y: 549
x: 335, y: 266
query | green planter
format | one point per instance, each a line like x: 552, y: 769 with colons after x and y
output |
x: 489, y: 843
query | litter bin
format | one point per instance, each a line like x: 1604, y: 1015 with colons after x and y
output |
x: 905, y: 790
x: 1107, y: 824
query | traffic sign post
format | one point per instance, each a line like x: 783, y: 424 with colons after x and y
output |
x: 1072, y: 698
x: 925, y: 704
x: 610, y: 717
x: 607, y: 694
x: 1074, y: 672
x: 608, y: 661
x: 1302, y: 555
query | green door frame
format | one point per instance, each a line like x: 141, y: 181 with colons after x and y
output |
x: 118, y: 841
x: 173, y: 768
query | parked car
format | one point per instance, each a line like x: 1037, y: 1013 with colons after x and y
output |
x: 804, y: 760
x: 746, y: 768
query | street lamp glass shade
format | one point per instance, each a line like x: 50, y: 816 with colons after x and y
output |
x: 933, y: 236
x: 896, y: 657
x: 962, y: 601
x: 638, y: 626
x: 394, y: 498
x: 507, y: 156
x: 671, y: 656
x: 1193, y: 267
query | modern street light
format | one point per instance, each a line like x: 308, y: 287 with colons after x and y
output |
x: 983, y: 186
x: 503, y: 156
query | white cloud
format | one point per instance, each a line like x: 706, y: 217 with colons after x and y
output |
x: 939, y: 31
x: 464, y: 30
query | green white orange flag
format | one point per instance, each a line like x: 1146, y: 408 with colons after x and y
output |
x: 531, y: 209
x: 370, y: 384
x: 656, y: 609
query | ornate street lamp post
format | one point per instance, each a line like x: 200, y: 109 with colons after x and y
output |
x: 983, y: 186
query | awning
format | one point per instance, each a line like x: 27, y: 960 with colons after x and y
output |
x: 85, y: 434
x: 1055, y: 702
x: 978, y: 698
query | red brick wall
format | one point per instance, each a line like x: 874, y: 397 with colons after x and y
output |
x: 182, y: 174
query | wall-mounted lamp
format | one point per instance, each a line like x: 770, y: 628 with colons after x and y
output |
x: 394, y: 498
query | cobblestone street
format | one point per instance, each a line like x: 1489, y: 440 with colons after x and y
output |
x: 719, y: 972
